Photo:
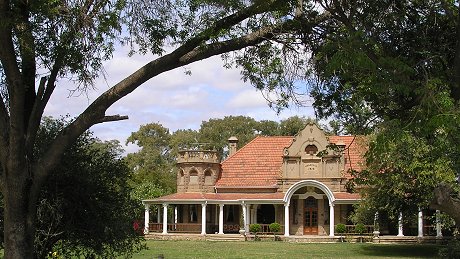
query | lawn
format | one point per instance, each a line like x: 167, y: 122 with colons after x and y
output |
x: 214, y: 249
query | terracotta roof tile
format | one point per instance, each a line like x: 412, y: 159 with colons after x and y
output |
x: 256, y: 164
x: 347, y: 196
x: 354, y: 151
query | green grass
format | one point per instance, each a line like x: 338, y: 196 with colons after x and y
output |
x: 265, y: 249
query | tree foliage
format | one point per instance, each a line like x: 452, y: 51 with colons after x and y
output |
x: 392, y: 69
x: 85, y: 208
x: 154, y: 163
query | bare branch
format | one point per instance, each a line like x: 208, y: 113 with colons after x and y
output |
x: 112, y: 118
x: 226, y: 23
x: 41, y: 100
x: 95, y: 113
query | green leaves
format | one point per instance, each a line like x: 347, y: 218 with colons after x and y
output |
x: 88, y: 189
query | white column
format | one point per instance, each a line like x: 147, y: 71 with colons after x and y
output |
x: 203, y: 219
x: 221, y: 218
x: 146, y: 219
x: 165, y: 218
x: 438, y: 224
x: 286, y: 219
x: 175, y: 217
x: 331, y: 219
x: 175, y: 214
x: 245, y: 217
x: 400, y: 225
x: 420, y: 223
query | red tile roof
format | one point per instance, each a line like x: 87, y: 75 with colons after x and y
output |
x: 256, y: 164
x: 354, y: 151
x: 259, y: 162
x: 347, y: 196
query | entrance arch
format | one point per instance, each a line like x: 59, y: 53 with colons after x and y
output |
x: 304, y: 183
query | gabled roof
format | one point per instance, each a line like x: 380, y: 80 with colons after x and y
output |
x: 256, y: 164
x: 259, y: 163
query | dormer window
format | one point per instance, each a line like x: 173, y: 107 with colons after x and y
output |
x: 311, y: 150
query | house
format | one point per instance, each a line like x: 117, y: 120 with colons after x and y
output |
x: 298, y: 182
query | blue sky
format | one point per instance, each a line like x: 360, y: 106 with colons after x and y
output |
x: 174, y: 99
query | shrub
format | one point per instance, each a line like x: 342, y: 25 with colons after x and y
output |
x: 275, y: 227
x: 360, y: 228
x: 254, y: 228
x: 340, y: 228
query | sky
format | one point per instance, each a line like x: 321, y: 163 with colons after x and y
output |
x: 174, y: 99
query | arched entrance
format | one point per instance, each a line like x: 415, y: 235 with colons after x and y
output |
x: 308, y: 199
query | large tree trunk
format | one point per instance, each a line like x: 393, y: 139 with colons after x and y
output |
x: 444, y: 200
x: 19, y: 216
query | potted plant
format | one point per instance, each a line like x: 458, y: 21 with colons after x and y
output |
x: 359, y: 229
x: 340, y: 229
x: 275, y: 228
x: 254, y: 229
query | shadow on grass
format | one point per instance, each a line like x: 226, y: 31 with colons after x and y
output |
x: 401, y: 251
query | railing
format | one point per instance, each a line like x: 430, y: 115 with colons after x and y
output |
x: 209, y: 156
x: 192, y: 228
x: 176, y: 228
x: 350, y: 229
x: 265, y: 228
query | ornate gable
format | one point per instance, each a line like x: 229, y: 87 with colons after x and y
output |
x: 302, y: 159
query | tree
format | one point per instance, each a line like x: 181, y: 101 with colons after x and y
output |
x: 392, y: 69
x: 293, y: 125
x: 216, y: 132
x: 43, y: 42
x: 154, y: 161
x: 85, y: 208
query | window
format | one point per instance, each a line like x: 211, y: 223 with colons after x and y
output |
x: 193, y: 177
x: 208, y: 177
x: 311, y: 149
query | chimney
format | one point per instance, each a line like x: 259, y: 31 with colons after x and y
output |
x: 232, y: 145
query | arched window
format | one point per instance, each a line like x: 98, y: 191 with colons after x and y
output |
x: 311, y: 149
x: 208, y: 177
x: 193, y: 177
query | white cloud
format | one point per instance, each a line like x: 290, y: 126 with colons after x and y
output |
x: 174, y: 99
x: 250, y: 98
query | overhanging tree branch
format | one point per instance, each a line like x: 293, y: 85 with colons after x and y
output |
x: 95, y: 113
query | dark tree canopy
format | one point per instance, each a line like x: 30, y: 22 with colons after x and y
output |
x: 391, y: 69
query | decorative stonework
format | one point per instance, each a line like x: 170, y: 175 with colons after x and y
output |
x: 201, y: 168
x: 311, y: 156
